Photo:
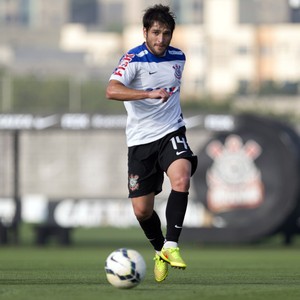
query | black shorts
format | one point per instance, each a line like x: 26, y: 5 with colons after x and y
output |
x: 147, y: 163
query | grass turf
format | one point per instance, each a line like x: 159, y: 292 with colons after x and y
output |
x: 263, y: 271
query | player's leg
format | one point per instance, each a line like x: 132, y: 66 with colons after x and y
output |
x: 148, y: 219
x: 145, y: 179
x: 179, y: 163
x: 144, y: 182
x: 151, y: 225
x: 179, y: 173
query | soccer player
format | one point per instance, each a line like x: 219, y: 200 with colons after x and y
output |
x: 148, y: 80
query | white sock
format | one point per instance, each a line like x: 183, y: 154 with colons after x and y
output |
x: 169, y: 244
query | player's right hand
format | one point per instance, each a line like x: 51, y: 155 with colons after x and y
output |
x: 159, y: 94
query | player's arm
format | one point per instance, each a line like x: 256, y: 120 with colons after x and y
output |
x: 116, y: 90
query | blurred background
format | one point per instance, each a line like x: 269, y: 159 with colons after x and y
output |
x: 63, y: 157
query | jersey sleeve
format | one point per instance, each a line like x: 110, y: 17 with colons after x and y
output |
x: 126, y: 70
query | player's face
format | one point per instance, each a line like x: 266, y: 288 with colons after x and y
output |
x: 158, y: 38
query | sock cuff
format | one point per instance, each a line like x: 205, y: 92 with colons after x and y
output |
x: 179, y: 193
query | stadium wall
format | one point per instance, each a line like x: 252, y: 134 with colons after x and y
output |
x: 71, y: 170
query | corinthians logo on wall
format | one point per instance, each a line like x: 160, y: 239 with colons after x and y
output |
x: 233, y: 180
x: 247, y: 181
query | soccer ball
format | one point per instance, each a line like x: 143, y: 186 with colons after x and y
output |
x: 125, y: 268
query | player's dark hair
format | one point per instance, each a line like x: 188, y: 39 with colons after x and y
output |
x: 159, y: 13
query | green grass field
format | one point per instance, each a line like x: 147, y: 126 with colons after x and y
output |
x: 265, y: 271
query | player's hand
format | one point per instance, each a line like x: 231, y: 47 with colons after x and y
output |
x: 159, y: 94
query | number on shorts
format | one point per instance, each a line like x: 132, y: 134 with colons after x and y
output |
x: 176, y: 140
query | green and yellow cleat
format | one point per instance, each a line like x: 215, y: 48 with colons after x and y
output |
x: 172, y: 256
x: 160, y: 268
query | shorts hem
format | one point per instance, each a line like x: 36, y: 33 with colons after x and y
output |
x: 143, y: 194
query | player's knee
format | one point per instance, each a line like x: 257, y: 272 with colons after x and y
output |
x: 181, y: 184
x: 142, y: 214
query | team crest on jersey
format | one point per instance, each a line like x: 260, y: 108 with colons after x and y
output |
x: 178, y: 71
x: 133, y: 182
